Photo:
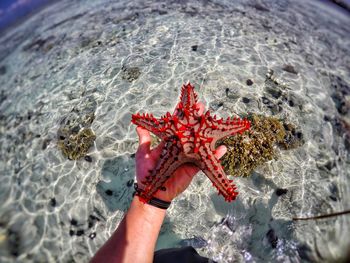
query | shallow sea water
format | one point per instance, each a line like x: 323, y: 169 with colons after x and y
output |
x: 116, y: 58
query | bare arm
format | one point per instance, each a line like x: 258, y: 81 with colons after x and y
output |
x: 136, y: 236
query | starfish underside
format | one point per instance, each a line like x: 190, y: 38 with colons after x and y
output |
x: 189, y: 137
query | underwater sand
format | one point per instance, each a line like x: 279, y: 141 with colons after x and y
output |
x: 112, y: 59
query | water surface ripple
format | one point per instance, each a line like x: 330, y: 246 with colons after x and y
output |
x: 114, y: 58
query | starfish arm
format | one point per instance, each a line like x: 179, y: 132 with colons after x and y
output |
x: 188, y: 97
x: 212, y: 168
x: 222, y: 129
x: 148, y: 122
x: 165, y: 167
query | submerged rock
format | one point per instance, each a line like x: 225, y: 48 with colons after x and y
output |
x: 131, y: 74
x: 40, y: 44
x: 272, y: 238
x: 281, y: 191
x: 340, y: 94
x: 3, y: 70
x: 292, y: 138
x: 14, y: 240
x: 53, y: 202
x: 88, y: 158
x: 249, y: 82
x: 75, y: 144
x: 196, y: 242
x: 3, y: 97
x: 75, y: 137
x: 290, y: 69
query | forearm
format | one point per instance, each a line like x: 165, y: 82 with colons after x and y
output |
x: 136, y: 236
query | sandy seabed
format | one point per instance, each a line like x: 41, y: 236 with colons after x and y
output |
x: 112, y: 59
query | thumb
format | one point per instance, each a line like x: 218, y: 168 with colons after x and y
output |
x: 144, y: 141
x: 220, y: 151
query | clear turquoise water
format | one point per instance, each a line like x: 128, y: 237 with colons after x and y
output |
x: 76, y: 57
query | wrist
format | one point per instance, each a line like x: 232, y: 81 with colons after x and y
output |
x: 146, y: 209
x: 159, y: 199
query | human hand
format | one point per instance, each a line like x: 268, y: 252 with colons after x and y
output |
x: 147, y: 158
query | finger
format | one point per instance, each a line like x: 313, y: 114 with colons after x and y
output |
x: 144, y: 140
x: 200, y: 107
x: 220, y: 151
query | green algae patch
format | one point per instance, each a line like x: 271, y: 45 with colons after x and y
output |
x: 247, y: 151
x: 292, y: 138
x: 130, y: 74
x: 75, y: 137
x: 76, y: 146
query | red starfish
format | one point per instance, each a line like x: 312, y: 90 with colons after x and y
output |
x: 189, y: 138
